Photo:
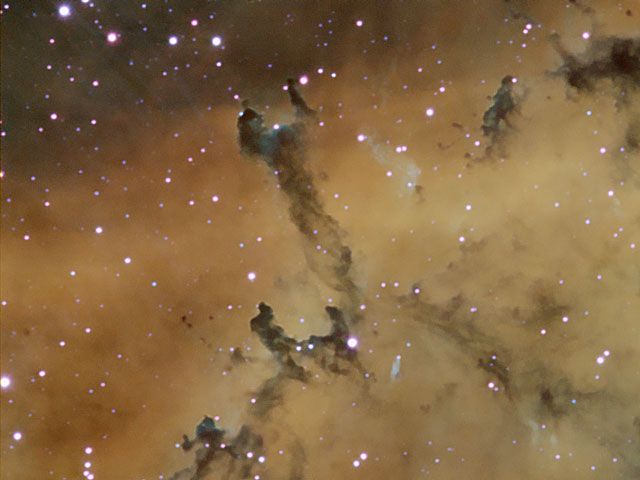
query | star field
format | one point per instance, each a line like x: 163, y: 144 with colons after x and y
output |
x: 459, y: 179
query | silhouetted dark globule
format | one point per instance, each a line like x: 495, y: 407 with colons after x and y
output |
x: 277, y: 342
x: 502, y: 104
x: 607, y: 58
x: 282, y: 149
x: 210, y: 438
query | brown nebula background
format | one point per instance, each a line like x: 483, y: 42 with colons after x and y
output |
x: 530, y: 253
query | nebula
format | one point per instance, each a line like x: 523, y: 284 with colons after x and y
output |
x: 399, y: 263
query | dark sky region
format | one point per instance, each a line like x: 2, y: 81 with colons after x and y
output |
x: 464, y: 197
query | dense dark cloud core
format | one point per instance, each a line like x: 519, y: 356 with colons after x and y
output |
x: 440, y: 214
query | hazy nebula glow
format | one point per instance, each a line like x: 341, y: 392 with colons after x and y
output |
x: 461, y: 179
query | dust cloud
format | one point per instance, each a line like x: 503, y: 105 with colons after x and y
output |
x: 497, y: 295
